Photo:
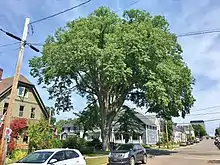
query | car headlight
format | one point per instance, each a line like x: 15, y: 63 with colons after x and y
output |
x: 110, y: 155
x: 126, y: 155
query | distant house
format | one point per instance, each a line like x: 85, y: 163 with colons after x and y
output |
x: 179, y: 134
x: 149, y: 134
x: 28, y: 103
x: 188, y: 129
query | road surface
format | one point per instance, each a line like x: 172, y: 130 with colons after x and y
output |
x: 204, y: 153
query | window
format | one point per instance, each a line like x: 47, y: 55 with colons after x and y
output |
x: 36, y: 157
x: 22, y: 91
x: 71, y: 154
x: 59, y: 156
x: 68, y: 129
x: 25, y: 139
x: 5, y: 108
x: 32, y: 113
x: 21, y: 111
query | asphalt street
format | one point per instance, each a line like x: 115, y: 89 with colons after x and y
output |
x: 203, y: 153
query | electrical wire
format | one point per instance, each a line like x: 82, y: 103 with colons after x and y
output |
x: 199, y: 114
x: 61, y: 12
x: 131, y: 4
x: 206, y: 121
x: 6, y: 45
x: 209, y: 31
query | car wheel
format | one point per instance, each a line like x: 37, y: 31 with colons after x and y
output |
x: 144, y: 161
x: 132, y: 161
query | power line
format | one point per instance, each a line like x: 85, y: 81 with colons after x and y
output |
x: 61, y: 12
x: 19, y: 39
x: 206, y: 121
x: 199, y: 32
x: 131, y: 4
x: 202, y: 109
x: 6, y: 45
x: 199, y: 114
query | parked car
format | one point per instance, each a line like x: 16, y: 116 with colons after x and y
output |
x: 197, y: 140
x: 53, y: 157
x: 128, y: 154
x: 183, y: 144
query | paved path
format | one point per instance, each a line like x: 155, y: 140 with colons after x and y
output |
x: 204, y: 153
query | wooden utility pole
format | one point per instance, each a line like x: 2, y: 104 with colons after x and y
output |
x: 167, y: 135
x: 7, y: 120
x: 50, y: 115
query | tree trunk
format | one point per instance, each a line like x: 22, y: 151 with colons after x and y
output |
x: 104, y: 136
x: 84, y: 133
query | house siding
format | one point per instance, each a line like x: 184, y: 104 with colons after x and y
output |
x: 28, y: 103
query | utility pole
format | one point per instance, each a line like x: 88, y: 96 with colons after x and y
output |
x: 167, y: 135
x: 50, y: 115
x: 7, y: 121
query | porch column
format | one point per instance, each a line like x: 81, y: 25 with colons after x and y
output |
x: 122, y: 139
x: 86, y: 138
x: 140, y: 139
x: 147, y: 136
x: 131, y: 139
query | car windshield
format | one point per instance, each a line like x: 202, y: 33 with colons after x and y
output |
x: 125, y: 147
x: 36, y: 157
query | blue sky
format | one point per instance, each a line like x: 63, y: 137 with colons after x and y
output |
x: 199, y: 52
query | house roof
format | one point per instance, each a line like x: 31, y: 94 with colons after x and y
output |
x: 179, y: 129
x: 6, y: 84
x: 68, y: 125
x: 145, y: 119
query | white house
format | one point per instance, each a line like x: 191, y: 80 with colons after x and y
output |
x: 179, y: 134
x: 149, y: 134
x: 188, y: 129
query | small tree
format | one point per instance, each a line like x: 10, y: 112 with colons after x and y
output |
x: 89, y: 118
x: 217, y: 131
x: 17, y: 126
x: 169, y: 129
x: 199, y: 130
x: 41, y: 136
x: 128, y: 123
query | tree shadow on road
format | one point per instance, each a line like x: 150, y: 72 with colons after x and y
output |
x: 157, y: 152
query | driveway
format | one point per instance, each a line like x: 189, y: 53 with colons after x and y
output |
x: 204, y: 153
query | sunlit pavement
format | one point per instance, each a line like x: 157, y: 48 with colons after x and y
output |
x: 199, y: 154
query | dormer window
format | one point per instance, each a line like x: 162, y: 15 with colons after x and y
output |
x: 22, y: 92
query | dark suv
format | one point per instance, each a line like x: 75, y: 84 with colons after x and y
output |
x: 128, y: 154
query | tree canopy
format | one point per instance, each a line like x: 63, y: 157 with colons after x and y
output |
x: 217, y: 132
x: 89, y: 118
x: 110, y: 59
x: 41, y: 136
x: 128, y: 124
x: 199, y: 130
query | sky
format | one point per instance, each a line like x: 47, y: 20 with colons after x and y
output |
x: 201, y: 53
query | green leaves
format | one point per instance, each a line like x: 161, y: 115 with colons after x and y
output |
x: 41, y: 136
x: 112, y: 59
x: 199, y: 130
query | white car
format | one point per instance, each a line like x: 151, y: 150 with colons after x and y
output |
x: 53, y: 157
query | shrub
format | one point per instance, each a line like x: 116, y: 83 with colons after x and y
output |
x: 95, y: 143
x: 18, y: 154
x: 74, y: 142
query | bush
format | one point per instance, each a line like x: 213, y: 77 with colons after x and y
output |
x: 95, y: 143
x: 18, y: 155
x: 74, y: 142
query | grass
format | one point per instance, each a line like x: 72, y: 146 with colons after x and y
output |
x: 97, y: 161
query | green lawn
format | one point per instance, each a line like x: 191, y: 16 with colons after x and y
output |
x: 97, y: 161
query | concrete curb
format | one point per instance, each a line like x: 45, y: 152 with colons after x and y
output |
x: 95, y: 157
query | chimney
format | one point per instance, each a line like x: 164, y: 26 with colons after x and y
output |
x: 1, y: 72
